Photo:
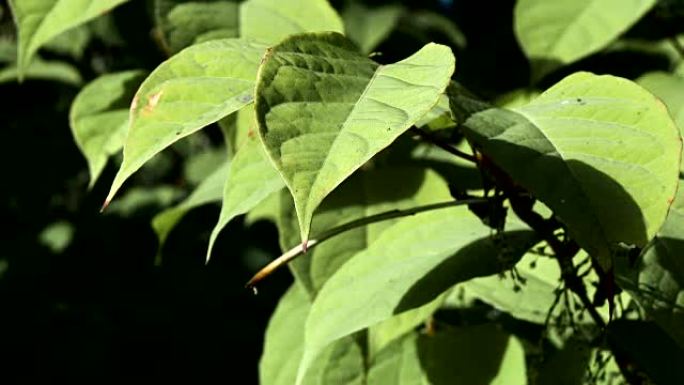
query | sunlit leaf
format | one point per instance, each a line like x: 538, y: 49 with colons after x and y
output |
x: 324, y: 109
x: 270, y: 21
x: 38, y: 21
x: 600, y: 151
x: 198, y: 86
x: 559, y: 32
x: 43, y: 70
x: 251, y: 179
x: 99, y: 117
x: 368, y: 27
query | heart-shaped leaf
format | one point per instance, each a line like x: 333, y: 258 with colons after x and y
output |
x: 600, y: 151
x: 323, y: 109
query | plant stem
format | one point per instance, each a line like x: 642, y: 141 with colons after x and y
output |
x: 300, y: 249
x: 677, y: 46
x: 428, y: 137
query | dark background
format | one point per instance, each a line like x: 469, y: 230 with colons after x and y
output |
x: 101, y: 311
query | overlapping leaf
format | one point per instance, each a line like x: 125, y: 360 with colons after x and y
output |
x: 341, y: 364
x: 269, y: 21
x: 324, y: 109
x: 600, y: 151
x: 559, y: 32
x: 251, y: 179
x: 471, y: 355
x: 196, y: 87
x: 410, y: 264
x: 368, y: 27
x: 656, y: 279
x: 38, y: 21
x: 99, y: 117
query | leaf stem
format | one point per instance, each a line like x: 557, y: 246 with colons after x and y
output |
x: 392, y: 214
x: 432, y: 139
x: 678, y: 46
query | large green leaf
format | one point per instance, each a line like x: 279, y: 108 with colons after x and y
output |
x: 251, y: 179
x: 600, y: 151
x: 38, y: 21
x: 368, y: 27
x: 656, y: 279
x: 284, y: 342
x: 181, y: 25
x: 323, y: 109
x: 210, y: 190
x: 476, y: 355
x: 409, y: 265
x: 670, y: 89
x: 559, y: 32
x: 365, y: 193
x: 270, y: 21
x: 198, y: 86
x: 99, y: 116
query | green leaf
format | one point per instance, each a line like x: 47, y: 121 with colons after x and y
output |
x: 463, y: 356
x: 72, y: 42
x: 139, y: 198
x: 251, y: 179
x: 38, y: 21
x: 599, y: 151
x: 656, y: 278
x: 99, y: 116
x: 197, y: 87
x: 409, y: 264
x: 269, y: 21
x: 181, y: 25
x: 559, y: 32
x: 323, y: 109
x: 209, y: 191
x: 43, y: 70
x: 368, y: 27
x: 365, y: 193
x: 284, y: 342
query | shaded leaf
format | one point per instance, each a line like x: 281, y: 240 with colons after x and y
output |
x: 38, y: 21
x: 656, y: 278
x: 269, y: 22
x: 600, y: 151
x: 368, y: 27
x: 43, y: 70
x: 198, y: 86
x: 181, y: 25
x: 477, y: 355
x: 251, y: 179
x: 323, y: 109
x: 365, y: 193
x: 210, y: 190
x: 284, y: 341
x: 410, y: 264
x: 57, y: 236
x: 99, y: 117
x: 555, y: 33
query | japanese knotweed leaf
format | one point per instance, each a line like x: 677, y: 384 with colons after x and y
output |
x: 99, y: 117
x: 656, y: 280
x: 409, y: 264
x: 481, y: 354
x: 600, y: 151
x: 559, y: 32
x: 323, y: 109
x: 270, y: 21
x: 342, y: 363
x: 38, y: 21
x: 198, y: 86
x: 251, y: 179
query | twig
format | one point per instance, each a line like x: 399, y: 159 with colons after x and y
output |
x: 299, y: 249
x: 678, y: 46
x: 426, y: 136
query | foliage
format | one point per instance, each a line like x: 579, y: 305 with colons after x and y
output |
x: 435, y: 235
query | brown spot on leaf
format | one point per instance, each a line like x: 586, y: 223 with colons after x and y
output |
x: 152, y: 101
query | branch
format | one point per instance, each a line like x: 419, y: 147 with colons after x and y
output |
x: 300, y: 249
x: 428, y: 137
